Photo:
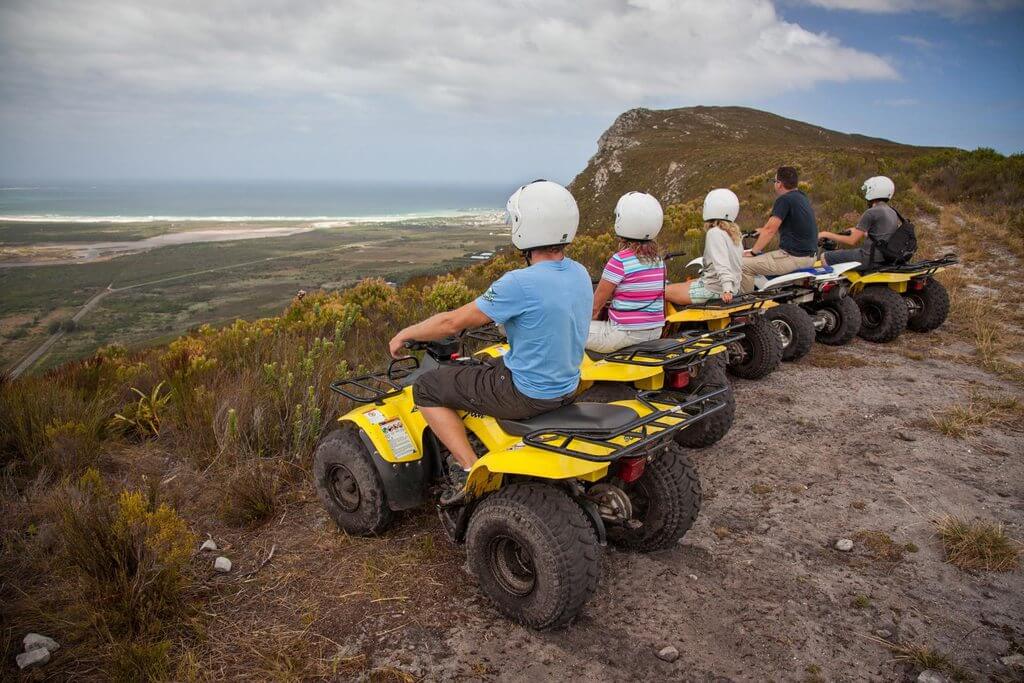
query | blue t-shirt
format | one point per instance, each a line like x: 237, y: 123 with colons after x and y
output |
x: 546, y: 313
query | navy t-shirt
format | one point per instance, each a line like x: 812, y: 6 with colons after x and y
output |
x: 798, y: 234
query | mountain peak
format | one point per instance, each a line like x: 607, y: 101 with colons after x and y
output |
x: 679, y: 154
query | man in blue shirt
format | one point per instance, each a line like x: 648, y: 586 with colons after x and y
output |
x: 545, y: 309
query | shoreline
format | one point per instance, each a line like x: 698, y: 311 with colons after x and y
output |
x: 101, y: 239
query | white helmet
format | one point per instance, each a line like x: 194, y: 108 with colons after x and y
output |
x: 541, y: 214
x: 878, y: 187
x: 638, y: 216
x: 721, y: 204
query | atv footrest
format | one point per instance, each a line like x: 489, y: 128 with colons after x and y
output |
x: 670, y: 412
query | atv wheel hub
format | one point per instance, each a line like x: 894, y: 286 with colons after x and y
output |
x: 613, y: 503
x: 511, y: 565
x: 784, y: 331
x: 343, y: 488
x: 826, y: 320
x: 737, y: 353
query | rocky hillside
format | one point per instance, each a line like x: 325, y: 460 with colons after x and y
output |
x: 679, y: 154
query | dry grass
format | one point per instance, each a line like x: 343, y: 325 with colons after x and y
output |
x: 881, y: 546
x: 977, y: 545
x: 922, y: 657
x: 964, y: 419
x: 250, y: 496
x: 827, y: 357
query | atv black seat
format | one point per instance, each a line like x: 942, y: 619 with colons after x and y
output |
x: 925, y: 267
x: 597, y: 418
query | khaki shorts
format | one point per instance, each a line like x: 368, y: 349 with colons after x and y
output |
x: 775, y: 262
x: 605, y: 336
x: 484, y: 388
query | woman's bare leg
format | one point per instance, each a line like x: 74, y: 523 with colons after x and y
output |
x: 678, y: 293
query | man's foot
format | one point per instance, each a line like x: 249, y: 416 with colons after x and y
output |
x: 455, y: 489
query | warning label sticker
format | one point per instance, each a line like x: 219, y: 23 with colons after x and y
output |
x: 398, y: 438
x: 374, y: 416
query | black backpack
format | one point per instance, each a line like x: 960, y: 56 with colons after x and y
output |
x: 900, y: 246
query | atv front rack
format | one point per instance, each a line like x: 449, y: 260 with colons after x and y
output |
x: 687, y: 349
x: 671, y: 412
x: 377, y: 386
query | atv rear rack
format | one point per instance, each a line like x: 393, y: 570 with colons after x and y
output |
x: 928, y: 267
x: 756, y: 301
x: 672, y: 411
x: 688, y: 349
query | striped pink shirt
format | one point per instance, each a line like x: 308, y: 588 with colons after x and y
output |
x: 639, y: 299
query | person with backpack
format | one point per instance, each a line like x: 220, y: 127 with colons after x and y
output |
x: 882, y: 233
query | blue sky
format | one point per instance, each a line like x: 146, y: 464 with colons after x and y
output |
x: 465, y: 91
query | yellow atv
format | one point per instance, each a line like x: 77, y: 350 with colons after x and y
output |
x: 753, y: 356
x: 687, y: 363
x: 542, y: 499
x: 897, y: 297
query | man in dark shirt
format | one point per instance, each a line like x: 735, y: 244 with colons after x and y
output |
x: 793, y: 219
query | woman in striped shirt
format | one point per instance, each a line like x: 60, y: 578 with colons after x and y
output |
x: 633, y: 279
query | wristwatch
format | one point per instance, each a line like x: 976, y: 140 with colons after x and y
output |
x: 755, y: 252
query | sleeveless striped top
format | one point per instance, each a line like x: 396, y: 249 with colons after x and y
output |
x: 639, y: 299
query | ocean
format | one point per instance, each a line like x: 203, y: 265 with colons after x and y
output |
x: 136, y: 201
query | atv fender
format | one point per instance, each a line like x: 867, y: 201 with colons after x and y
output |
x: 518, y: 459
x: 783, y: 280
x: 405, y: 475
x: 838, y: 269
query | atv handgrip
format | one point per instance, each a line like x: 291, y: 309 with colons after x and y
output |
x: 674, y: 254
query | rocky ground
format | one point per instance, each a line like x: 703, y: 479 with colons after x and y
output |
x: 840, y: 445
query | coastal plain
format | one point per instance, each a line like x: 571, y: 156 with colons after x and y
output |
x: 49, y: 270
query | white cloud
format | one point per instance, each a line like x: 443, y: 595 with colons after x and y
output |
x: 918, y: 42
x: 555, y: 55
x: 955, y: 8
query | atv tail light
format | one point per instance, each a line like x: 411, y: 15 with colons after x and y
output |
x: 678, y: 379
x: 630, y: 469
x: 917, y: 284
x: 827, y: 287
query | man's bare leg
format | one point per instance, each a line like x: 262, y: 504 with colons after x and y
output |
x: 448, y: 427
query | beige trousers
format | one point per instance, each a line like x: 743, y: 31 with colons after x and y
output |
x: 605, y: 336
x: 775, y: 262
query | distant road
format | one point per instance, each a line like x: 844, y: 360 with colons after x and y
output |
x: 30, y: 360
